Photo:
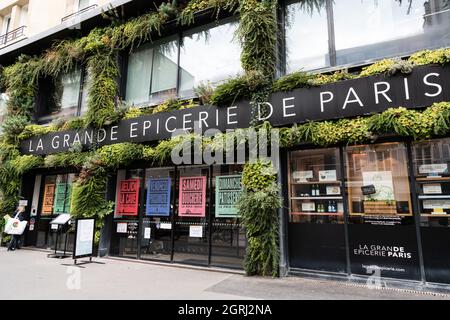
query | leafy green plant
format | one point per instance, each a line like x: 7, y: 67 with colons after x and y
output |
x: 258, y: 207
x: 388, y: 67
x: 440, y: 56
x: 292, y: 81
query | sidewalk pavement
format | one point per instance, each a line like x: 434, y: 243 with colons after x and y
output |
x: 29, y: 274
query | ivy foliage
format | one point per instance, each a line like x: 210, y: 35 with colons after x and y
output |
x: 258, y: 208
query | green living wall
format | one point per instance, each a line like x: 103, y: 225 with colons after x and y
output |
x: 257, y: 34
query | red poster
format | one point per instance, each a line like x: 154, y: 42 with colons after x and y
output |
x: 127, y: 204
x: 192, y: 197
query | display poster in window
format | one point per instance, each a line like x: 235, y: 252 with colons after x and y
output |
x: 158, y: 197
x: 383, y: 183
x: 433, y: 169
x: 84, y: 238
x: 192, y: 197
x: 62, y: 198
x: 228, y: 191
x: 302, y: 176
x: 327, y: 175
x: 128, y: 197
x: 48, y: 200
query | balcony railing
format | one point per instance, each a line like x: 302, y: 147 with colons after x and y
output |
x: 12, y: 35
x: 80, y: 12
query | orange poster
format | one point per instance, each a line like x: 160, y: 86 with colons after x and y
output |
x: 49, y: 196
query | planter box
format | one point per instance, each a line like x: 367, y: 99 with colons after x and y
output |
x: 380, y: 207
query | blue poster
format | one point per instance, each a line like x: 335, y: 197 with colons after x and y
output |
x: 158, y: 197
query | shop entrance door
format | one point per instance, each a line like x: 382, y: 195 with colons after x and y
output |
x: 191, y: 233
x: 382, y: 234
x: 316, y: 216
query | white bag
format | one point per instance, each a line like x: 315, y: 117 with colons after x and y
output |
x: 15, y: 226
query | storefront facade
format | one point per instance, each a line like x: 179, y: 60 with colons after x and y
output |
x: 337, y: 223
x: 373, y: 208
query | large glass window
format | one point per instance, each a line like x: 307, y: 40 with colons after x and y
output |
x: 209, y: 53
x: 68, y: 92
x: 368, y: 30
x: 431, y: 167
x: 315, y: 187
x: 347, y: 32
x: 55, y: 199
x: 158, y: 71
x: 316, y: 217
x: 378, y: 181
x: 306, y: 38
x: 152, y: 73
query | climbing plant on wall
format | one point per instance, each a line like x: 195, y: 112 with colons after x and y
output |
x: 257, y: 34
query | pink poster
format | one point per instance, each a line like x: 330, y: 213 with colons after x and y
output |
x: 192, y: 197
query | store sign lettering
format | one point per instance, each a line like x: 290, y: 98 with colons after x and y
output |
x: 158, y: 197
x: 128, y: 197
x: 192, y: 196
x: 382, y: 251
x: 356, y: 97
x: 228, y: 192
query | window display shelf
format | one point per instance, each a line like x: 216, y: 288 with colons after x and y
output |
x: 432, y: 179
x: 318, y: 198
x: 443, y: 196
x: 315, y: 182
x: 437, y: 215
x: 317, y: 213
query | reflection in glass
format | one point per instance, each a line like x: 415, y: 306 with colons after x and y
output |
x: 378, y: 180
x: 152, y: 73
x: 208, y: 54
x: 68, y: 89
x: 315, y: 187
x: 306, y: 38
x: 156, y: 241
x: 368, y: 30
x: 431, y: 169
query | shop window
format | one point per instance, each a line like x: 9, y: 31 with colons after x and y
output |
x: 315, y: 193
x: 152, y: 72
x: 156, y: 240
x: 306, y: 38
x: 431, y: 168
x: 191, y: 243
x: 55, y: 200
x: 228, y: 238
x: 367, y: 30
x: 208, y: 54
x: 378, y: 181
x: 126, y: 216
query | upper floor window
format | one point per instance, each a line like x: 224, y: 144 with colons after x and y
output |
x: 208, y: 53
x: 347, y: 32
x: 306, y: 38
x: 152, y: 72
x: 175, y: 66
x: 61, y: 98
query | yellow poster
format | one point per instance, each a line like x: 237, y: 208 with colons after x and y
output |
x: 49, y: 196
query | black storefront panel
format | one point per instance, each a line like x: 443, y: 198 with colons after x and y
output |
x: 436, y: 253
x: 390, y: 249
x: 317, y: 246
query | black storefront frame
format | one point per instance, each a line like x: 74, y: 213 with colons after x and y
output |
x: 414, y: 202
x: 209, y: 195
